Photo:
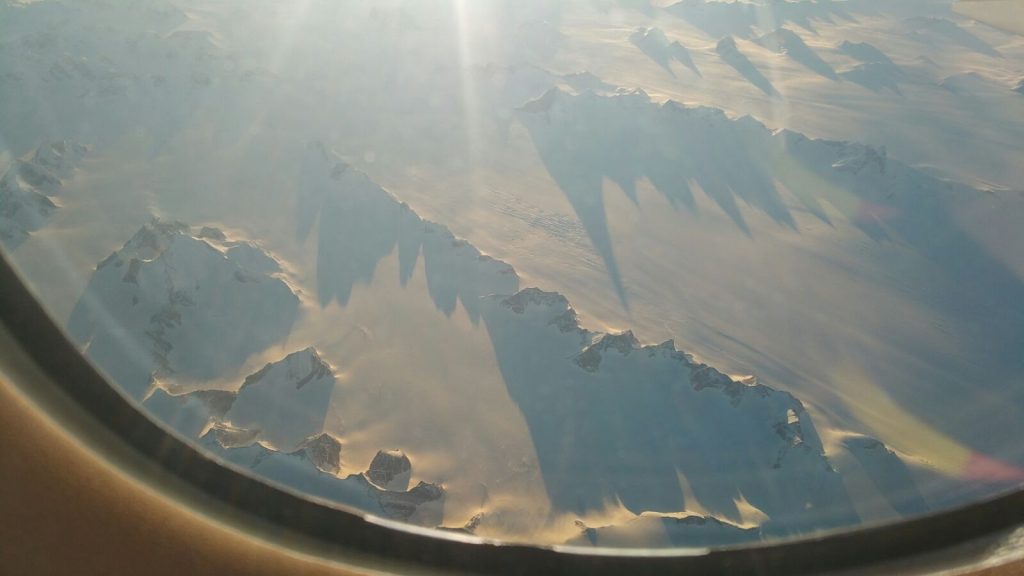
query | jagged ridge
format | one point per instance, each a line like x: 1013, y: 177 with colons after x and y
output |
x: 27, y: 185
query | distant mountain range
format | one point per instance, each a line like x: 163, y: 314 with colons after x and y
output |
x: 28, y: 186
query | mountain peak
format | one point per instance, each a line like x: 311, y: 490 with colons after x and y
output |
x: 301, y: 367
x: 390, y: 469
x: 153, y: 238
x: 703, y: 377
x: 726, y: 45
x: 781, y: 40
x: 324, y: 451
x: 857, y: 157
x: 864, y: 52
x: 624, y: 343
x: 287, y: 399
x: 183, y: 301
x: 527, y: 297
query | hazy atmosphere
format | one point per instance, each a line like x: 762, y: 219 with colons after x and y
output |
x: 619, y: 273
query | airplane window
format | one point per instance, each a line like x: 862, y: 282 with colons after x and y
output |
x: 627, y: 275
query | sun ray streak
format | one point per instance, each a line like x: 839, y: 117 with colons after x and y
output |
x: 470, y: 101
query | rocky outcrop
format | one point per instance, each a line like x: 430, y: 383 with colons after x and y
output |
x: 313, y: 468
x: 390, y: 468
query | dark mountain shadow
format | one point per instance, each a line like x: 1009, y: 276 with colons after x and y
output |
x: 458, y: 271
x: 360, y: 223
x: 586, y: 139
x: 911, y: 218
x: 889, y: 474
x: 928, y: 27
x: 874, y: 76
x: 787, y: 42
x: 865, y: 52
x: 876, y: 72
x: 722, y: 18
x: 731, y: 55
x: 978, y: 297
x: 717, y: 19
x: 585, y: 193
x: 616, y: 422
x: 357, y: 230
x: 653, y: 43
x: 682, y: 54
x: 311, y: 190
x: 579, y: 164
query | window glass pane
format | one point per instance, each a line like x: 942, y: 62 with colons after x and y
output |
x: 599, y: 272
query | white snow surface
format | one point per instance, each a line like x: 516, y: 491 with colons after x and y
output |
x: 170, y: 305
x: 306, y: 234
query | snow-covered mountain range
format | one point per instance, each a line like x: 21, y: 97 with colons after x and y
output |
x: 27, y: 188
x: 734, y: 453
x: 466, y: 302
